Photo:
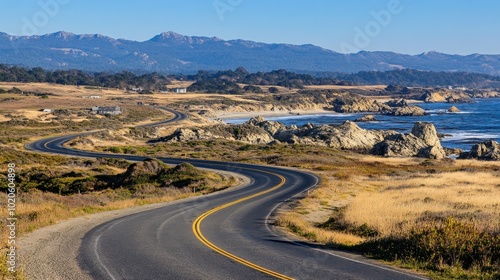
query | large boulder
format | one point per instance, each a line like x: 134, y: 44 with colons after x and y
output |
x: 347, y: 136
x: 453, y: 109
x: 366, y: 118
x: 407, y: 111
x: 427, y: 133
x: 489, y: 150
x: 421, y: 142
x: 446, y: 96
x: 269, y: 126
x: 397, y: 103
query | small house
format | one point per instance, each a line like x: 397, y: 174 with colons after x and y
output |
x: 179, y: 90
x: 100, y: 110
x: 92, y: 96
x: 137, y: 89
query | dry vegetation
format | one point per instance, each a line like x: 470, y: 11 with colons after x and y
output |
x: 404, y: 202
x: 400, y: 210
x: 367, y: 88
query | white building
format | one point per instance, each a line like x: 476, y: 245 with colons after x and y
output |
x: 99, y: 110
x: 179, y: 90
x: 92, y: 96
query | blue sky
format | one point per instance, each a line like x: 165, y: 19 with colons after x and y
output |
x: 404, y: 26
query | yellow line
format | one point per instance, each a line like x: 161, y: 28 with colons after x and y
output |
x: 204, y: 240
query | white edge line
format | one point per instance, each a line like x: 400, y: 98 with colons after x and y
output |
x: 324, y: 251
x: 97, y: 253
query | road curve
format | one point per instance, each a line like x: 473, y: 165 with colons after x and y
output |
x: 223, y: 236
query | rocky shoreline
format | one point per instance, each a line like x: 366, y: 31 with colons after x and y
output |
x: 388, y: 103
x: 423, y: 141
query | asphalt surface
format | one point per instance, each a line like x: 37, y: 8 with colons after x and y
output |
x: 187, y: 240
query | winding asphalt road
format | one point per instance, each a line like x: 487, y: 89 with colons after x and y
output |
x: 226, y: 235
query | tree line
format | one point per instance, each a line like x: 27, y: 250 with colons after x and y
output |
x: 123, y: 80
x: 417, y: 78
x: 229, y: 81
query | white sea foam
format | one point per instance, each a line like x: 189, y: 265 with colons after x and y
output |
x: 457, y: 136
x: 293, y: 117
x: 298, y: 117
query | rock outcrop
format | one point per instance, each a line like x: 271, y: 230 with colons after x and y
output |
x: 244, y: 133
x: 453, y: 109
x: 489, y: 150
x: 453, y: 151
x: 408, y: 111
x: 397, y: 103
x: 446, y: 96
x: 269, y: 126
x: 348, y: 136
x: 261, y: 131
x: 421, y: 142
x: 366, y: 118
x: 345, y: 136
x: 356, y: 104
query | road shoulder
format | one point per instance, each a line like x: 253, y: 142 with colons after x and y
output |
x: 51, y: 252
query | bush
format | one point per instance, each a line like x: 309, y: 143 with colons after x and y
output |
x: 439, y: 247
x: 273, y: 90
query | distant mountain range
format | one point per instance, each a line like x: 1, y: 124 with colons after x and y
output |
x: 174, y: 53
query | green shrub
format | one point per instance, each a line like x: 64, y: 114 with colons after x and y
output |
x: 442, y: 246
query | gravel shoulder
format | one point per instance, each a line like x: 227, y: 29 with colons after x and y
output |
x: 51, y: 252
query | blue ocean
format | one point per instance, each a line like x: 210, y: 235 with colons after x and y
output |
x: 478, y: 121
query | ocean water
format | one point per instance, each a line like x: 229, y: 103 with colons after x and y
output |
x: 478, y: 121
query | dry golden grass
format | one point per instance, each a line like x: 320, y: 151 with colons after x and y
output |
x: 404, y: 192
x: 180, y: 84
x: 70, y: 97
x: 38, y: 209
x: 398, y: 207
x: 298, y: 225
x: 373, y: 87
x: 4, y: 118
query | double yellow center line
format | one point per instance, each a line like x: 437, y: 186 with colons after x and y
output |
x: 197, y: 231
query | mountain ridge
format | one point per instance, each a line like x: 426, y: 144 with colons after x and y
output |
x: 171, y: 52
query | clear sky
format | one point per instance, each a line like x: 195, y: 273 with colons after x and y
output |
x: 404, y: 26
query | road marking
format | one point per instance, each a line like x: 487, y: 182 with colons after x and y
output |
x: 199, y: 235
x: 326, y: 251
